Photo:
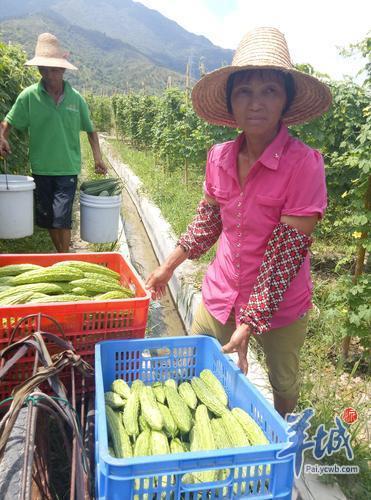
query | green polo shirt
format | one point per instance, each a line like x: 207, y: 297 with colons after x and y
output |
x: 54, y: 129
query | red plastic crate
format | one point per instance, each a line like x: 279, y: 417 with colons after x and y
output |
x: 84, y: 323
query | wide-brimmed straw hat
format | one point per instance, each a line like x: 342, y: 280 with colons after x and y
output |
x: 261, y: 48
x: 49, y: 53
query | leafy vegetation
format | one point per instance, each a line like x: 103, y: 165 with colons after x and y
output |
x: 14, y: 77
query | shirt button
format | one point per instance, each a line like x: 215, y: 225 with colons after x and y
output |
x: 238, y: 225
x: 238, y: 244
x: 238, y: 266
x: 238, y: 214
x: 239, y: 204
x: 239, y: 234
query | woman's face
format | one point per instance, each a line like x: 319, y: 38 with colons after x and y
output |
x: 258, y: 100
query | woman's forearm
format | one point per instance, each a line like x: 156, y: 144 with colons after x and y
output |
x: 175, y: 258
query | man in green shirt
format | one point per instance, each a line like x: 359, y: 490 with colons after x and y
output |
x: 54, y: 113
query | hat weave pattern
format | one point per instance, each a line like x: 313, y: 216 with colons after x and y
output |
x: 49, y: 53
x: 262, y: 48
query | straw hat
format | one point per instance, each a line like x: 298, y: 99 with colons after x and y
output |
x: 261, y: 48
x: 48, y: 52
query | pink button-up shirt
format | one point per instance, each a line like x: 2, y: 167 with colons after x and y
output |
x: 287, y: 179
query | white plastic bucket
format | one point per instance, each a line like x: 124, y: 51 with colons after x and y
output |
x: 16, y: 206
x: 99, y: 218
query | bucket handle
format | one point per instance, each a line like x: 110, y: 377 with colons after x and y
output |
x: 6, y: 174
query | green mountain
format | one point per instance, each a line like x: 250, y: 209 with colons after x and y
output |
x: 116, y: 43
x: 105, y: 65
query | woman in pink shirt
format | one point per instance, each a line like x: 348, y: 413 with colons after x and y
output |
x: 263, y: 195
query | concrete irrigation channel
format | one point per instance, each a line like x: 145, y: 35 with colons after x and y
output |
x: 164, y: 319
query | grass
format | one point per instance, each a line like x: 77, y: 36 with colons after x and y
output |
x: 166, y: 188
x: 326, y: 385
x: 329, y: 387
x: 39, y: 242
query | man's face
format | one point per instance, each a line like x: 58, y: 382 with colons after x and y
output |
x: 51, y: 75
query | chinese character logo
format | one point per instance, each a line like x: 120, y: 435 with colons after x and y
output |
x: 349, y: 415
x: 324, y: 442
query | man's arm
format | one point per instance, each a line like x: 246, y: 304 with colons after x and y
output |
x: 100, y: 167
x: 4, y: 134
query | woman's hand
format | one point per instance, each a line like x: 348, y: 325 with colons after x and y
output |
x: 239, y: 343
x: 157, y: 281
x: 159, y: 278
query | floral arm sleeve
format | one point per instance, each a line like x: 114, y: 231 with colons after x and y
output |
x: 284, y: 256
x: 203, y: 232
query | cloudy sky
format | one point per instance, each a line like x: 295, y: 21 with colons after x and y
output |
x: 313, y: 28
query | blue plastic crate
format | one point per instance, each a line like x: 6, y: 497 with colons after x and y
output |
x: 253, y: 472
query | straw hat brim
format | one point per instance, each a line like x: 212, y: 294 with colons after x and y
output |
x: 52, y: 62
x: 312, y: 97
